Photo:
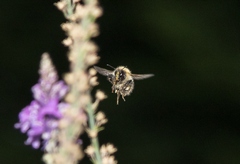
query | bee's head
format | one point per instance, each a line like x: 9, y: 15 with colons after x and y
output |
x: 120, y: 73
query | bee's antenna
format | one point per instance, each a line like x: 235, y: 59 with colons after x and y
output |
x: 110, y: 66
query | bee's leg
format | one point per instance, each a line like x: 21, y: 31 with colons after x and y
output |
x: 113, y: 89
x: 123, y: 98
x: 118, y: 95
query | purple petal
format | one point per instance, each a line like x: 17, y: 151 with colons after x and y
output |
x: 34, y: 131
x: 36, y: 144
x: 24, y: 127
x: 40, y: 118
x: 39, y: 94
x: 59, y: 90
x: 50, y: 109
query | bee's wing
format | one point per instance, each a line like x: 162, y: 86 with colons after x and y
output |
x: 141, y: 76
x: 102, y: 71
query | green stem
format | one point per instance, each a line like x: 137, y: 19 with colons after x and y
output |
x: 94, y: 140
x: 79, y: 65
x: 70, y: 7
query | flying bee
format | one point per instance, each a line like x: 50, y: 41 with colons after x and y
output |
x: 122, y: 79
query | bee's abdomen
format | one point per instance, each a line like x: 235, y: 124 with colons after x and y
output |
x: 127, y: 88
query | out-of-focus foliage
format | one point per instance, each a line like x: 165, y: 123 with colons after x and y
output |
x: 188, y: 113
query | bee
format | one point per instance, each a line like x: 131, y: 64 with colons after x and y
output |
x: 122, y: 79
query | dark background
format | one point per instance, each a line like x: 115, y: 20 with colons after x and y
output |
x: 189, y: 113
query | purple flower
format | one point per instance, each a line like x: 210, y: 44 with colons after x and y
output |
x: 40, y: 118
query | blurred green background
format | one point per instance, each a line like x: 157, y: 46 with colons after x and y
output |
x: 189, y: 113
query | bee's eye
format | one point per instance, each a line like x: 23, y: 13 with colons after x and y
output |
x: 121, y: 74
